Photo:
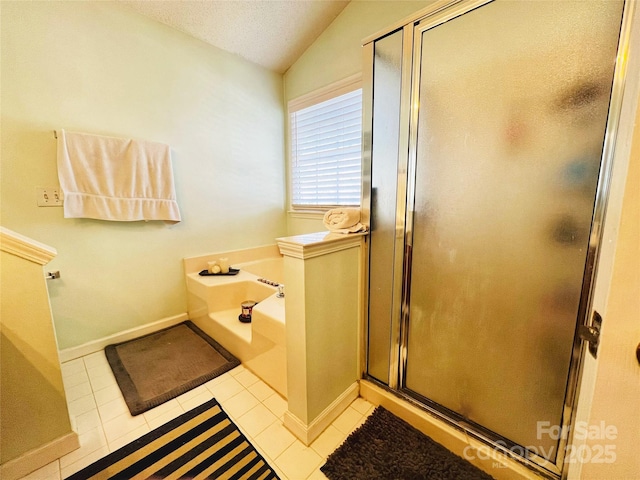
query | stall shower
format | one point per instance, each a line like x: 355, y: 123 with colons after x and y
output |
x: 488, y: 139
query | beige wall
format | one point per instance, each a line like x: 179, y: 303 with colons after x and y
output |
x: 33, y: 405
x: 99, y: 68
x: 335, y: 55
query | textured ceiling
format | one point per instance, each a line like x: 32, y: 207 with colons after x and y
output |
x: 271, y: 33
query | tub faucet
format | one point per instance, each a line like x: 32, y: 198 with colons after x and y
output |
x: 280, y: 291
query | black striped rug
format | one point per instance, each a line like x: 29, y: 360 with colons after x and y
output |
x: 201, y: 444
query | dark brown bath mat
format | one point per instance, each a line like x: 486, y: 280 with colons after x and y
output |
x: 386, y: 447
x: 155, y: 368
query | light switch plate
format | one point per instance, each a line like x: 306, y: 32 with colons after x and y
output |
x: 49, y: 196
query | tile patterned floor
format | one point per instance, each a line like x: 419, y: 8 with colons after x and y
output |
x: 101, y: 418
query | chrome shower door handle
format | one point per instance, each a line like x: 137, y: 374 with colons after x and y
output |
x: 591, y: 333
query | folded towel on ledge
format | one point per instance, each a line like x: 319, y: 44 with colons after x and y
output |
x: 116, y: 179
x: 344, y: 220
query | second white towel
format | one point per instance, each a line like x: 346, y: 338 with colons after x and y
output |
x: 344, y: 220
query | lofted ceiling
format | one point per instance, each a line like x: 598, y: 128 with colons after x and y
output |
x: 271, y: 33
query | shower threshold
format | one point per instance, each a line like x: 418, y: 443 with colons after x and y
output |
x: 493, y: 454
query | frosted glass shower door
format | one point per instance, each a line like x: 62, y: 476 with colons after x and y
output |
x: 513, y: 101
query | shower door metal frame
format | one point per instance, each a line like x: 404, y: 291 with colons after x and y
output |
x: 438, y: 14
x: 396, y: 354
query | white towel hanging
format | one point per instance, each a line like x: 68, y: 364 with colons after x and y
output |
x: 116, y: 179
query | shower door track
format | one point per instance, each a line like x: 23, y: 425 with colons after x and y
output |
x: 407, y: 160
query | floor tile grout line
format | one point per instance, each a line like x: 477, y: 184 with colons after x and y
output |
x: 97, y: 363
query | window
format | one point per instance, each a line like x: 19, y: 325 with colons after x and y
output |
x: 326, y: 144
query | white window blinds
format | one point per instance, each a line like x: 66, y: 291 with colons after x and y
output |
x: 326, y: 152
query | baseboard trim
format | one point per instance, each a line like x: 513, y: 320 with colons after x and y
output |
x: 39, y: 457
x: 308, y: 433
x: 97, y: 345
